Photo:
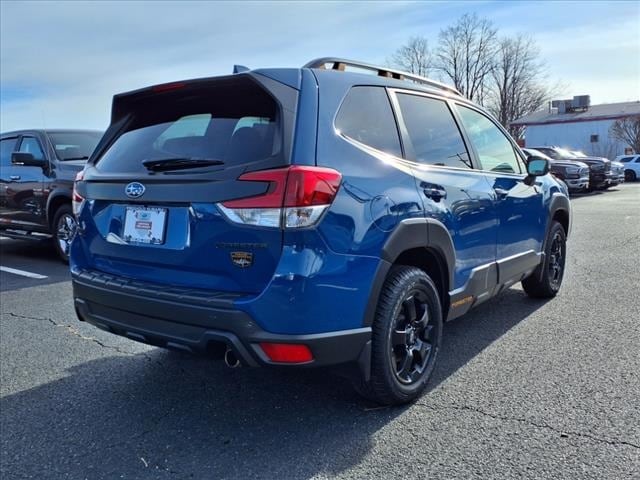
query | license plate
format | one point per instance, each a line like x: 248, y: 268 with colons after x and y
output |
x: 144, y: 225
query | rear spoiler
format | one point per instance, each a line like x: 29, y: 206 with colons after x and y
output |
x: 123, y: 102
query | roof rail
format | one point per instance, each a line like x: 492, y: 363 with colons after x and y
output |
x: 341, y: 63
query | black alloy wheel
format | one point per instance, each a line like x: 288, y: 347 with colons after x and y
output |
x: 546, y: 280
x: 64, y: 229
x: 412, y: 339
x: 406, y: 336
x: 556, y: 259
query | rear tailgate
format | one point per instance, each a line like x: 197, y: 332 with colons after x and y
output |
x: 162, y: 225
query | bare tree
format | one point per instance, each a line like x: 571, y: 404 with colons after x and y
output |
x: 413, y: 57
x: 465, y: 55
x: 627, y: 131
x: 517, y: 84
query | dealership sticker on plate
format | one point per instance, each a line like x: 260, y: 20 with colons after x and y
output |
x: 144, y: 225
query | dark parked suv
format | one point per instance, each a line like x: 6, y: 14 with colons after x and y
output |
x: 311, y: 216
x: 37, y: 170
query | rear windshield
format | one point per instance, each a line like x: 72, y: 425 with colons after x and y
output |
x: 236, y: 125
x: 74, y: 145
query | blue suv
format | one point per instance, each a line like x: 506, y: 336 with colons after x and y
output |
x: 335, y: 214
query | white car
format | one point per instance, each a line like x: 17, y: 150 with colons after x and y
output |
x: 631, y: 166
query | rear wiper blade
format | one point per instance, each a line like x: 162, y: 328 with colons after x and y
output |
x: 179, y: 163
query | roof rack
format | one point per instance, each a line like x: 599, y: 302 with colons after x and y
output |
x: 341, y: 63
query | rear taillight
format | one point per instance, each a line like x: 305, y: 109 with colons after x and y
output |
x: 77, y: 200
x: 297, y: 197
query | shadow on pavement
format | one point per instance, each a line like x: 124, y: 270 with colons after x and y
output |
x: 163, y: 414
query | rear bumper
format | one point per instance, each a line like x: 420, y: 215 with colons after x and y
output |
x: 196, y: 326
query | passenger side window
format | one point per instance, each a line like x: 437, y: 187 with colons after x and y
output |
x: 366, y: 116
x: 31, y: 145
x: 494, y: 149
x: 433, y: 132
x: 7, y: 147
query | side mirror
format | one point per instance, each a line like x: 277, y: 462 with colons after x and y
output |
x: 537, y: 167
x: 27, y: 159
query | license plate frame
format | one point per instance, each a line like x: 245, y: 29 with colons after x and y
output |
x: 145, y: 225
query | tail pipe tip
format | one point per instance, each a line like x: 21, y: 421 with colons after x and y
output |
x: 231, y: 360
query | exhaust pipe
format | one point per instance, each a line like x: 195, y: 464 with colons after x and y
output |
x: 230, y: 359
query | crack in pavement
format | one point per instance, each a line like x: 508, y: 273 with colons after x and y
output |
x: 563, y: 433
x: 71, y: 329
x: 74, y: 331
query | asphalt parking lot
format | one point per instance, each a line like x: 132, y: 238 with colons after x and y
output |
x: 523, y: 388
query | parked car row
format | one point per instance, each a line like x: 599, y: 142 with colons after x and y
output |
x: 583, y: 173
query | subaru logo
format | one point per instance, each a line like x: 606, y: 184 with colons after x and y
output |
x: 134, y: 190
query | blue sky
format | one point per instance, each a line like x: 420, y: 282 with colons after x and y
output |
x: 61, y: 62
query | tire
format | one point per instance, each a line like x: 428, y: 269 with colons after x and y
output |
x: 546, y: 280
x: 63, y: 227
x: 406, y: 337
x: 629, y: 176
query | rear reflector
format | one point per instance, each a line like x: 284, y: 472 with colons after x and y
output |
x: 287, y: 352
x: 295, y: 197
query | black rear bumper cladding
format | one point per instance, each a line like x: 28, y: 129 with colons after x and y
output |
x: 192, y: 328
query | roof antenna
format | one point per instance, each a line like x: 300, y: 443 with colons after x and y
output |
x: 240, y: 69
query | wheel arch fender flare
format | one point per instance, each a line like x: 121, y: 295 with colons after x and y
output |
x: 57, y: 197
x: 559, y: 203
x: 409, y: 234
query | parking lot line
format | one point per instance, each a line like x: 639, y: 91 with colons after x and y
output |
x: 15, y: 271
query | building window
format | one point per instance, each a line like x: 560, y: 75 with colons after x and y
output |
x: 594, y: 138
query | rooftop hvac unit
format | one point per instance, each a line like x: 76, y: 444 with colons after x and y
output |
x: 564, y: 106
x: 581, y: 101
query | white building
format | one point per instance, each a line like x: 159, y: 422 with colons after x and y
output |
x: 576, y: 125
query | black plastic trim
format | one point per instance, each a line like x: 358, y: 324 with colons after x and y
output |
x: 513, y: 267
x: 192, y: 327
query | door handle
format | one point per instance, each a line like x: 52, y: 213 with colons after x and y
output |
x: 435, y: 194
x: 501, y: 193
x: 14, y: 177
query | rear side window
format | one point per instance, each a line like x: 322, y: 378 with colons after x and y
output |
x: 7, y: 147
x: 626, y: 159
x: 32, y: 146
x: 74, y: 145
x: 495, y: 151
x: 235, y: 123
x: 366, y: 116
x: 433, y: 132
